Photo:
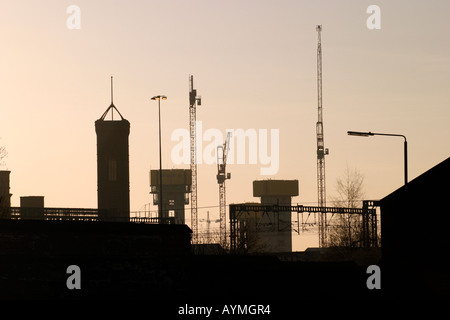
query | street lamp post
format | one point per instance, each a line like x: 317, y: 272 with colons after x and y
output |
x: 159, y: 98
x: 367, y: 134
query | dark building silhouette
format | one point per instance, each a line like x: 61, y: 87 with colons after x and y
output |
x: 5, y: 195
x: 117, y: 260
x: 176, y: 188
x: 415, y: 221
x: 113, y: 180
x: 278, y: 192
x: 32, y: 207
x: 32, y: 202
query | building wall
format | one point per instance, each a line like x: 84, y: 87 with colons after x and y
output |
x: 274, y: 229
x: 32, y: 202
x: 5, y: 195
x: 32, y: 207
x: 175, y: 189
x: 113, y: 169
x: 279, y: 240
x: 117, y: 260
x: 414, y: 236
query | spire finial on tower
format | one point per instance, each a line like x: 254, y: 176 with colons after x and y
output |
x: 112, y: 107
x: 111, y: 90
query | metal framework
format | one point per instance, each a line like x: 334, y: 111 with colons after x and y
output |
x: 321, y: 150
x: 194, y: 100
x: 222, y: 176
x: 239, y: 212
x: 369, y: 224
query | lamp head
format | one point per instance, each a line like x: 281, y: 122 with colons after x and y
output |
x: 359, y: 134
x: 159, y: 97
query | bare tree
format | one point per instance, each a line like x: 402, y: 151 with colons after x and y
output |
x: 346, y: 230
x: 349, y: 189
x: 3, y: 155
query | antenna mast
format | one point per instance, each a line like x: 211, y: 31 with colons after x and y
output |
x: 321, y: 151
x: 111, y: 90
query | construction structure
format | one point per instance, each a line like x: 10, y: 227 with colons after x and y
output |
x: 194, y: 100
x: 177, y: 186
x: 242, y: 215
x: 277, y: 192
x: 321, y: 150
x: 113, y: 180
x: 222, y: 176
x: 263, y: 231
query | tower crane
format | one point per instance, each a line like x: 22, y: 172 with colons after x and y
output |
x: 194, y: 100
x: 321, y: 151
x: 222, y: 175
x: 208, y: 226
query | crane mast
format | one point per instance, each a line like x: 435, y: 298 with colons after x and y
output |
x: 321, y: 151
x: 194, y: 100
x: 222, y: 175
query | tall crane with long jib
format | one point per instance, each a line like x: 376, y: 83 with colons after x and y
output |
x: 222, y: 175
x: 194, y: 100
x: 321, y: 151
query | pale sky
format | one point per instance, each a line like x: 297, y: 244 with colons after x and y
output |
x: 254, y: 64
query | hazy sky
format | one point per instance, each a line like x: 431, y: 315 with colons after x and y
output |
x: 254, y: 64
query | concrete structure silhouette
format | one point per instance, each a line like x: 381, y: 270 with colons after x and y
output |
x: 32, y: 207
x: 113, y: 166
x: 270, y: 231
x: 176, y: 187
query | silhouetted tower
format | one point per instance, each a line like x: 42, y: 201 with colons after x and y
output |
x: 194, y: 100
x: 321, y: 151
x: 275, y: 192
x: 5, y: 195
x: 222, y: 175
x: 113, y: 180
x: 177, y: 186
